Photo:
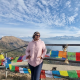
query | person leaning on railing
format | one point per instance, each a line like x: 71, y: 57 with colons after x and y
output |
x: 35, y: 51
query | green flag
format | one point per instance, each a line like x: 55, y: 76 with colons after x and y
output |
x: 72, y: 74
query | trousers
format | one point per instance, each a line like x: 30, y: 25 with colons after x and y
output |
x: 35, y: 71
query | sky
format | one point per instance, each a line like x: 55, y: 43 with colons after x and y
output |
x: 21, y: 18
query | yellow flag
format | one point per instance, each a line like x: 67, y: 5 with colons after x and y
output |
x: 63, y: 73
x: 1, y: 56
x: 10, y: 66
x: 50, y: 52
x: 29, y: 71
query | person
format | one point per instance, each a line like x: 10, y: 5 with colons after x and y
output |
x: 35, y: 52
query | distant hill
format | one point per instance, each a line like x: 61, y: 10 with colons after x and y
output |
x: 55, y: 38
x: 11, y: 42
x: 65, y: 38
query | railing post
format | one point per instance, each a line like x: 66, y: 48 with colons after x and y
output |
x: 65, y: 50
x: 6, y: 67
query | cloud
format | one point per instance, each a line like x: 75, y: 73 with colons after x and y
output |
x: 68, y: 4
x: 45, y: 31
x: 72, y: 18
x: 76, y: 9
x: 14, y: 23
x: 48, y: 15
x: 31, y: 11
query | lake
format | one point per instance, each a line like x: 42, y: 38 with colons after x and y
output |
x: 69, y: 49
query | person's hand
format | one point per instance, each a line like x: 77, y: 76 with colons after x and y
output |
x: 39, y: 57
x: 29, y: 56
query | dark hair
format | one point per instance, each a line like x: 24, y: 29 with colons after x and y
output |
x: 35, y: 33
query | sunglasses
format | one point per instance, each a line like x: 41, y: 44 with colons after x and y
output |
x: 38, y: 35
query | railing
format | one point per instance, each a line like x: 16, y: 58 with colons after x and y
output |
x: 63, y: 46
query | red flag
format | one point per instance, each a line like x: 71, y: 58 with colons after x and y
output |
x: 78, y: 73
x: 42, y: 75
x: 77, y: 56
x: 16, y: 68
x: 46, y: 56
x: 19, y: 60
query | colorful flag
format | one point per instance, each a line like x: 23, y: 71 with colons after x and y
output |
x: 62, y: 54
x: 25, y: 70
x: 21, y: 70
x: 54, y: 53
x: 71, y: 56
x: 49, y: 74
x: 42, y: 75
x: 13, y: 68
x: 29, y: 71
x: 16, y: 68
x: 78, y: 73
x: 77, y: 56
x: 47, y: 55
x: 72, y: 74
x: 63, y: 73
x: 16, y: 59
x: 56, y: 72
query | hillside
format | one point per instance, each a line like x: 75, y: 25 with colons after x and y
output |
x: 10, y: 42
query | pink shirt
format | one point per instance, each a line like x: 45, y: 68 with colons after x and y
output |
x: 36, y: 49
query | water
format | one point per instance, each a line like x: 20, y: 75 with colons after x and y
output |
x: 69, y: 49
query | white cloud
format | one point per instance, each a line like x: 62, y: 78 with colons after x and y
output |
x: 41, y: 13
x: 44, y: 2
x: 29, y: 8
x: 27, y: 11
x: 14, y: 23
x: 72, y: 18
x: 45, y: 32
x: 22, y: 6
x: 68, y: 4
x: 76, y: 9
x: 40, y: 5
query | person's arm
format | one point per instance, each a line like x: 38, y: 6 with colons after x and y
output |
x: 27, y: 51
x: 44, y: 50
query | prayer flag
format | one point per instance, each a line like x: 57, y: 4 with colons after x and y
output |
x: 56, y: 72
x: 42, y: 75
x: 17, y: 68
x: 25, y: 70
x: 63, y: 73
x: 78, y: 73
x: 49, y: 74
x: 10, y: 66
x: 71, y: 56
x: 15, y: 59
x: 72, y: 74
x: 62, y: 54
x: 29, y: 71
x: 77, y: 56
x: 1, y: 56
x: 20, y: 58
x: 13, y: 68
x: 54, y: 53
x: 21, y: 70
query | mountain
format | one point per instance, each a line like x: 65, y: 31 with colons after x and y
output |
x: 55, y: 38
x: 65, y: 38
x: 10, y: 42
x: 26, y: 38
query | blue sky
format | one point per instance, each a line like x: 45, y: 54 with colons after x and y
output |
x: 21, y: 18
